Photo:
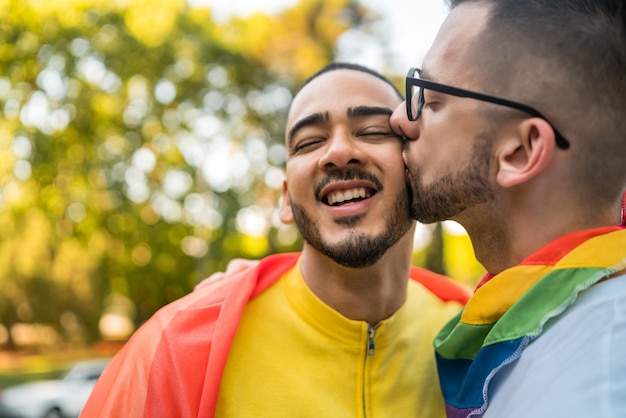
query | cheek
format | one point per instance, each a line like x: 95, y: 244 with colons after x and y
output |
x: 397, y: 172
x: 299, y: 172
x: 302, y: 177
x: 391, y: 161
x: 442, y: 146
x: 389, y: 154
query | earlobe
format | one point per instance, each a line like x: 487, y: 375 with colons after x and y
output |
x: 286, y: 215
x: 526, y: 154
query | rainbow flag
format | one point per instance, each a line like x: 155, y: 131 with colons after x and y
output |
x: 511, y: 309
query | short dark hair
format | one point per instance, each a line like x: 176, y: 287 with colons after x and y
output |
x: 568, y: 59
x: 349, y: 66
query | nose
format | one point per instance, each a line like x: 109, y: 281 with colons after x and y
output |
x: 401, y: 124
x: 342, y: 150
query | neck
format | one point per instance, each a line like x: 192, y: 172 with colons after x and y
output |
x: 368, y: 294
x: 501, y: 242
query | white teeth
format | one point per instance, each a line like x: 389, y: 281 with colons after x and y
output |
x: 342, y: 196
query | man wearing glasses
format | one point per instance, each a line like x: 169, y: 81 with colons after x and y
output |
x: 515, y: 128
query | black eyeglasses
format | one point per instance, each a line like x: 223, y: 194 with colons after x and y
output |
x: 415, y: 86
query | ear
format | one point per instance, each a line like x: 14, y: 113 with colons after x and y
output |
x: 526, y: 153
x: 286, y: 215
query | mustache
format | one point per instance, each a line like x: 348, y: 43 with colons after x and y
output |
x: 349, y: 174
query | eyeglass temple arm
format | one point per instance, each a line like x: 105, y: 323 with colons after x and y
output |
x: 454, y: 91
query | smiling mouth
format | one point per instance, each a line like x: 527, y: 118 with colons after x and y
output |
x: 344, y: 197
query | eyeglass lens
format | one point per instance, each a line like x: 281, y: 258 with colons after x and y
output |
x: 417, y: 97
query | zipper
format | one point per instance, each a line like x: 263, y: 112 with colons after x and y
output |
x: 371, y: 348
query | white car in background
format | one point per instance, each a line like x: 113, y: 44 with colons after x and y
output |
x: 61, y: 398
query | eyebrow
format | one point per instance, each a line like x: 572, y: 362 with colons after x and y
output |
x: 361, y: 111
x: 313, y: 119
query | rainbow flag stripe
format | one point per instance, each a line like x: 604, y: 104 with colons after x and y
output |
x: 510, y: 310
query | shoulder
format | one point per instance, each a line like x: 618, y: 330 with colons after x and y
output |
x: 235, y: 290
x: 202, y: 307
x: 592, y: 329
x: 577, y: 363
x: 441, y: 286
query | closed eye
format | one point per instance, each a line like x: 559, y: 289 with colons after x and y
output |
x: 306, y: 145
x: 377, y: 135
x: 381, y: 133
x: 431, y: 100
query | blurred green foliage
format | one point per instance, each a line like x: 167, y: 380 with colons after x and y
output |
x: 140, y: 150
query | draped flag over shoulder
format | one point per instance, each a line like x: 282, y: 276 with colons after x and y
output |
x: 510, y: 310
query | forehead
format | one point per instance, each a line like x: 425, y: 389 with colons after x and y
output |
x: 452, y: 57
x: 337, y: 91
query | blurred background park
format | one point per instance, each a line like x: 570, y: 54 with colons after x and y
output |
x: 141, y: 149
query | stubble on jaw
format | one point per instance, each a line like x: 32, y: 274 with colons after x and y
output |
x: 454, y: 192
x: 357, y: 249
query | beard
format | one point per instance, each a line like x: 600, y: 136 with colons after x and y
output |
x: 357, y: 249
x: 454, y: 192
